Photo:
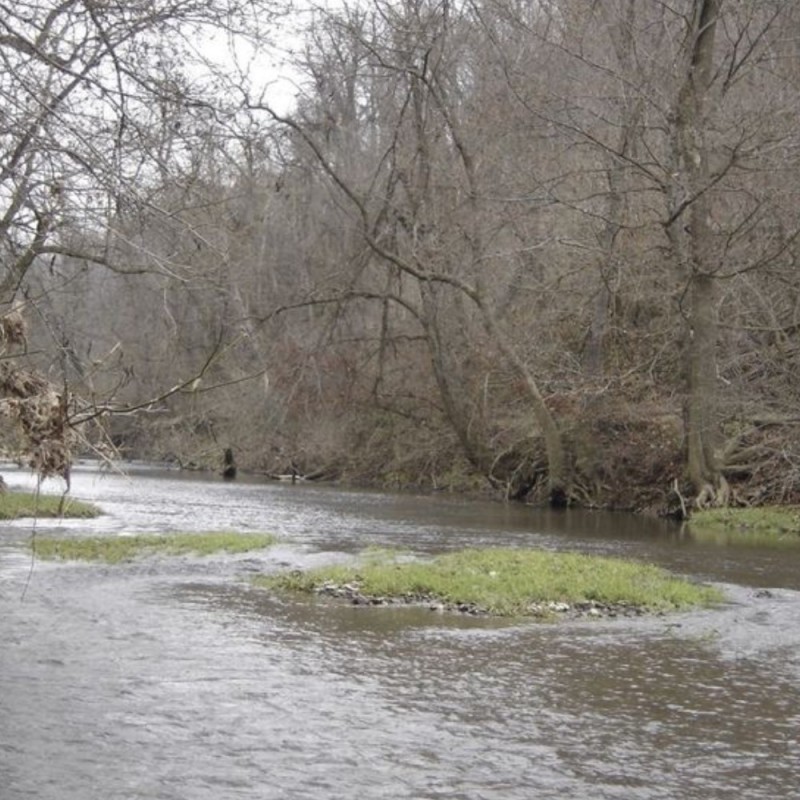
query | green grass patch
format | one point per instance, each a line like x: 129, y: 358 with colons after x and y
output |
x: 17, y: 505
x: 768, y: 525
x: 508, y: 582
x: 113, y: 550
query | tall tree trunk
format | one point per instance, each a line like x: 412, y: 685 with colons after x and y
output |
x: 691, y: 234
x: 620, y: 25
x: 700, y: 419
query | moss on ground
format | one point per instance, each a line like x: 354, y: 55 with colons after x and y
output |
x: 505, y: 582
x: 17, y: 505
x: 113, y: 550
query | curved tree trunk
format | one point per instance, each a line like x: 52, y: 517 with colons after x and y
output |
x: 558, y: 477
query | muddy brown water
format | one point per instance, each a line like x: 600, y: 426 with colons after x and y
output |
x: 173, y: 679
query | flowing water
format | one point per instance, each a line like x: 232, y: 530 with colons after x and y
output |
x: 172, y: 678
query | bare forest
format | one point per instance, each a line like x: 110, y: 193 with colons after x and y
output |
x: 546, y: 249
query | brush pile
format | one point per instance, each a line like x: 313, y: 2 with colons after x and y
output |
x: 32, y: 403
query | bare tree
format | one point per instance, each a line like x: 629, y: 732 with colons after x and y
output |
x: 99, y: 113
x: 419, y: 197
x: 684, y: 109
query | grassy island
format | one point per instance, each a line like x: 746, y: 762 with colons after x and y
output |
x: 505, y: 582
x: 114, y: 549
x: 17, y: 505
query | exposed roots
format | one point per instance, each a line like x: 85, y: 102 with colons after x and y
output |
x: 711, y: 496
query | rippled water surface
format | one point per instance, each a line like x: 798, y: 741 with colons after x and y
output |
x: 172, y: 678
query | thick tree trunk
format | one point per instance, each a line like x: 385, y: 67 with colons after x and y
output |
x: 691, y: 234
x: 702, y: 378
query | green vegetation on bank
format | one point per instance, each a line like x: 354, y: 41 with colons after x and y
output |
x: 114, y: 549
x: 507, y: 582
x: 16, y: 505
x: 759, y: 525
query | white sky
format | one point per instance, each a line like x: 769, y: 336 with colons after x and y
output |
x: 264, y: 66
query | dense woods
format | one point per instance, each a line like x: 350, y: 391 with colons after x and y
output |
x: 546, y: 249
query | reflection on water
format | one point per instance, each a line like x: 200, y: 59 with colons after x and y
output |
x: 172, y: 678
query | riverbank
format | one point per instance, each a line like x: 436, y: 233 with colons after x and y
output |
x: 625, y: 449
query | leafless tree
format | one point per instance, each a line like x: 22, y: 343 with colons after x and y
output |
x: 100, y: 110
x: 397, y: 147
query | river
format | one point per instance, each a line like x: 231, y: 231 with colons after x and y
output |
x: 172, y: 678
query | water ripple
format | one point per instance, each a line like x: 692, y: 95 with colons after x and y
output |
x: 174, y: 679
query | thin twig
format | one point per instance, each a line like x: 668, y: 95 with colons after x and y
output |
x: 33, y: 536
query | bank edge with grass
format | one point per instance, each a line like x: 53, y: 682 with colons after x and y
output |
x: 756, y: 526
x: 504, y: 582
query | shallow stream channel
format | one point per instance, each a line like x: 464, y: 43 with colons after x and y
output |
x: 172, y: 678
